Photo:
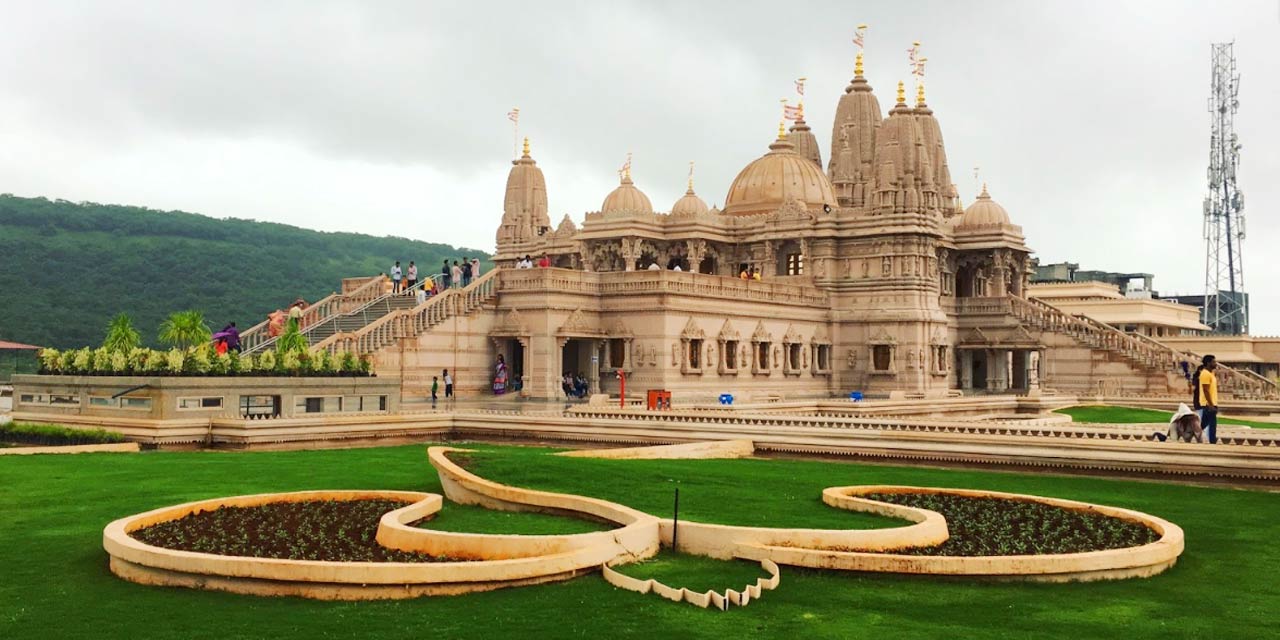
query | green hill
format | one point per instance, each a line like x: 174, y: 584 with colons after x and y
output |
x: 67, y: 268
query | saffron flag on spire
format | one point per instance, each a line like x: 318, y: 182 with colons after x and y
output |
x: 918, y: 69
x: 792, y: 113
x: 800, y: 85
x: 514, y: 115
x: 860, y: 36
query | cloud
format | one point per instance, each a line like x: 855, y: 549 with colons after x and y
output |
x: 1087, y: 119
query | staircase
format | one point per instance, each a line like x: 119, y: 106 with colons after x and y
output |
x: 413, y: 321
x: 1140, y: 352
x: 257, y: 337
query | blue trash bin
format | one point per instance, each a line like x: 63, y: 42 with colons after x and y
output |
x: 855, y: 396
x: 726, y: 398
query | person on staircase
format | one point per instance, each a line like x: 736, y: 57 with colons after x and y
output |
x: 445, y: 274
x: 412, y: 275
x: 466, y: 272
x: 475, y: 268
x: 455, y: 274
x: 395, y: 277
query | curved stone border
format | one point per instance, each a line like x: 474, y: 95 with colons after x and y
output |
x: 721, y: 541
x: 136, y: 561
x: 511, y: 560
x: 1109, y: 564
x: 711, y: 598
x: 115, y: 447
x: 687, y: 451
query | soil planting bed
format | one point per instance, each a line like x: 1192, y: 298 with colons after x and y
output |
x: 332, y: 530
x: 1002, y: 527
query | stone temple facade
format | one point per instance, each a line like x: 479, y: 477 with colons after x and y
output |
x: 863, y: 265
x: 873, y: 278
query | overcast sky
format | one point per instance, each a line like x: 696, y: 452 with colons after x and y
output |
x: 1088, y: 119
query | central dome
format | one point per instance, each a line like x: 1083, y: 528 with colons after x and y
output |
x: 626, y: 198
x: 775, y: 178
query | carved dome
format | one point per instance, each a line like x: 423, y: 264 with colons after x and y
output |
x: 984, y: 212
x: 775, y: 178
x: 689, y: 204
x: 626, y: 198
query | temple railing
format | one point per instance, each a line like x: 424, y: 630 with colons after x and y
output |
x: 410, y: 323
x: 327, y: 309
x: 1144, y: 352
x: 661, y: 281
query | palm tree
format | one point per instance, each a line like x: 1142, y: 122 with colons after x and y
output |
x: 121, y: 336
x: 292, y: 340
x: 185, y: 329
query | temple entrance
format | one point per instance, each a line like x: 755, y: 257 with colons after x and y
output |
x: 515, y: 354
x: 580, y: 360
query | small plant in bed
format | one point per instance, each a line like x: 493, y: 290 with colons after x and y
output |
x: 30, y: 434
x: 332, y: 530
x: 1005, y: 527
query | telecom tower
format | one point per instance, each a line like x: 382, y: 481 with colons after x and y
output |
x: 1226, y: 306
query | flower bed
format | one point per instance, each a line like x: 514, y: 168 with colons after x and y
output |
x: 48, y: 435
x: 328, y: 530
x: 1005, y: 527
x: 200, y: 361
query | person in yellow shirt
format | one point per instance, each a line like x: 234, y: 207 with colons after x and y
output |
x: 1204, y: 396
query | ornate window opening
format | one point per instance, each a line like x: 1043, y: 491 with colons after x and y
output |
x: 618, y: 353
x: 940, y: 361
x: 761, y: 346
x: 881, y: 357
x: 692, y: 339
x: 762, y: 358
x: 792, y: 347
x: 795, y: 264
x: 730, y: 363
x: 883, y: 354
x: 695, y: 355
x: 821, y: 356
x: 729, y: 341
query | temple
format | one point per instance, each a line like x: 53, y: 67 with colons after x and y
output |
x: 867, y: 275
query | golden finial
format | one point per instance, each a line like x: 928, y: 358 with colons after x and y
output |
x: 626, y: 168
x: 902, y: 93
x: 526, y: 146
x: 920, y: 95
x: 690, y: 176
x: 857, y: 66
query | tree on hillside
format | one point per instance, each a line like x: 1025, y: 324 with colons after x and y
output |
x: 185, y: 329
x: 121, y: 336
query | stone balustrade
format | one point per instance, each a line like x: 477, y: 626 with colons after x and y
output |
x: 661, y: 281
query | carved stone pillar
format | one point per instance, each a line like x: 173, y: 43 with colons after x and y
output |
x: 630, y: 252
x: 770, y: 267
x: 697, y: 250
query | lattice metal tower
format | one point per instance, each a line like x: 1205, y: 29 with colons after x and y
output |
x: 1226, y: 306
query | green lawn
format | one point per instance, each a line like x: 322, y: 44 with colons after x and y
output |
x: 1129, y: 415
x: 465, y: 518
x: 54, y: 581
